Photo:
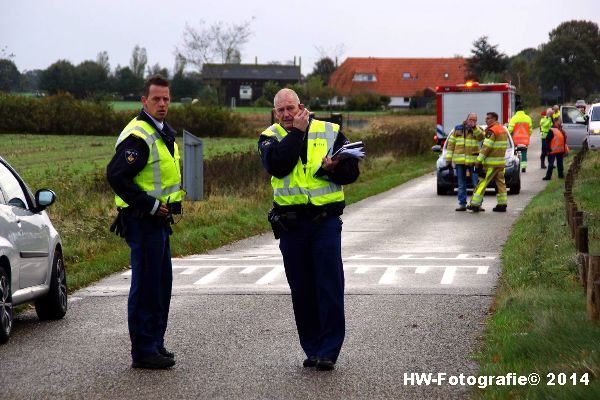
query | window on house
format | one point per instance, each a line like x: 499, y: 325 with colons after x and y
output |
x: 407, y: 99
x: 406, y: 75
x: 446, y: 75
x: 364, y: 78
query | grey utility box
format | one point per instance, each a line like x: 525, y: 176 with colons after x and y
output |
x: 193, y: 166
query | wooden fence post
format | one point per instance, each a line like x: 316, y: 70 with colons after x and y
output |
x: 593, y: 287
x: 581, y: 239
x: 577, y: 222
x: 582, y: 260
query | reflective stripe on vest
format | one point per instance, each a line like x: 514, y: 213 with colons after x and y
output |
x: 557, y: 144
x: 497, y: 156
x: 161, y: 176
x: 300, y: 186
x: 521, y: 133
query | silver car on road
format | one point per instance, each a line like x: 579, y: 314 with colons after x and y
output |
x: 574, y: 124
x: 31, y: 260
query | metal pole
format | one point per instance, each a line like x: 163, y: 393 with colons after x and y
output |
x: 193, y: 166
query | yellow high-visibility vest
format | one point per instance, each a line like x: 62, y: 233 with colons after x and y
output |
x: 301, y: 186
x: 161, y: 176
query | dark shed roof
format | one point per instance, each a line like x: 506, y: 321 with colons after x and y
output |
x: 251, y: 71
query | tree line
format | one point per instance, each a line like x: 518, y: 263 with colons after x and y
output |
x: 566, y: 67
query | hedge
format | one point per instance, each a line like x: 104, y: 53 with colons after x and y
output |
x: 236, y: 173
x: 63, y: 114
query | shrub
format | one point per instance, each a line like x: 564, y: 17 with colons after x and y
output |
x: 263, y: 102
x: 367, y: 102
x: 206, y: 121
x: 63, y: 114
x: 405, y: 140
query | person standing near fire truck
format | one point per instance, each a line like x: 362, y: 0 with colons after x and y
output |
x: 462, y: 150
x: 491, y: 159
x: 520, y: 127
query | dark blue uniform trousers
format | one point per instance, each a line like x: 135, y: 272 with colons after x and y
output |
x: 312, y: 257
x: 151, y: 283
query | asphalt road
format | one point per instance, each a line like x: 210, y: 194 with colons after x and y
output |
x: 420, y: 280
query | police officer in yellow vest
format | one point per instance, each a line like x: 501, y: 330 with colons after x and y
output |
x: 492, y: 159
x: 308, y: 200
x: 520, y: 127
x: 545, y: 125
x: 145, y: 175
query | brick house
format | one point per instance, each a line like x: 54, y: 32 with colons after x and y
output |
x: 398, y: 78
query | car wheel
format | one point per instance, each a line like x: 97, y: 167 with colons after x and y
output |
x: 6, y: 309
x: 516, y: 187
x: 54, y: 304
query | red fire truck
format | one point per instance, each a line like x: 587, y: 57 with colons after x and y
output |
x: 454, y: 102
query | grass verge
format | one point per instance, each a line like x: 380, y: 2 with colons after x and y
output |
x: 539, y: 322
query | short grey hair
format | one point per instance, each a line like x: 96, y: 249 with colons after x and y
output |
x: 283, y: 92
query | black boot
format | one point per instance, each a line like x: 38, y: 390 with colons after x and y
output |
x: 499, y: 208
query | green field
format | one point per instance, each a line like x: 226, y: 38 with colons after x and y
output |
x: 37, y: 156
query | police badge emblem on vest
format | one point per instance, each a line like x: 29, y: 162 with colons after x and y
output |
x: 131, y: 156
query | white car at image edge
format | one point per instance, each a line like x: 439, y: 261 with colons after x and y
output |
x: 593, y: 126
x: 31, y: 258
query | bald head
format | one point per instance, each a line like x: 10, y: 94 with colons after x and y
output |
x: 286, y: 106
x: 471, y: 120
x: 285, y: 94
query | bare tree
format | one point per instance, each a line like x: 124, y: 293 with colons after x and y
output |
x: 333, y: 52
x: 218, y: 41
x: 102, y: 60
x: 139, y: 59
x: 4, y: 54
x: 180, y: 63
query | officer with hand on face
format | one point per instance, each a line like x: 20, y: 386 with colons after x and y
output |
x: 145, y: 175
x: 308, y: 200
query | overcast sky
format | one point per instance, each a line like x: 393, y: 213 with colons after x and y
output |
x: 40, y: 32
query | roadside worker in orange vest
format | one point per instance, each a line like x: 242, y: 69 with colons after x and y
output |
x: 545, y: 125
x: 462, y: 150
x: 520, y: 127
x: 557, y: 139
x: 492, y: 159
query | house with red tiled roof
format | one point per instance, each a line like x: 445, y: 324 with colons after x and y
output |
x: 398, y: 78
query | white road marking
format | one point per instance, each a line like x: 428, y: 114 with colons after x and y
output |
x: 72, y: 299
x: 270, y: 276
x: 482, y: 270
x: 211, y: 276
x: 249, y: 270
x: 448, y: 275
x: 359, y: 264
x: 389, y: 276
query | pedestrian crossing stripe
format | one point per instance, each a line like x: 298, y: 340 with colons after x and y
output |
x: 389, y: 276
